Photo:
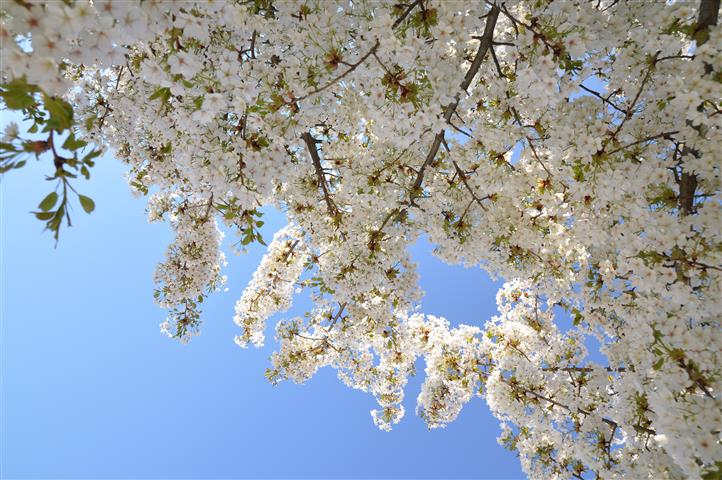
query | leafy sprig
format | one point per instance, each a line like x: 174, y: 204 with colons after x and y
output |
x: 55, y: 117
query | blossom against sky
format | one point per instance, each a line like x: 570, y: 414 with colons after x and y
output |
x: 91, y: 389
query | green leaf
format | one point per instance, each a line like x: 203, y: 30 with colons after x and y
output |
x: 44, y: 215
x: 71, y: 143
x: 162, y: 94
x: 715, y: 473
x: 658, y: 364
x: 18, y: 94
x: 578, y: 317
x: 88, y: 159
x: 87, y: 203
x: 48, y: 202
x: 61, y: 113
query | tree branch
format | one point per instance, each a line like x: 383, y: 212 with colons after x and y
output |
x: 462, y: 175
x: 313, y: 151
x: 352, y: 67
x: 603, y: 99
x: 708, y: 13
x: 484, y: 46
x: 519, y: 389
x: 665, y: 135
x: 405, y: 14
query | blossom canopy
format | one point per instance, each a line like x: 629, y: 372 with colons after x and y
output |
x: 571, y: 148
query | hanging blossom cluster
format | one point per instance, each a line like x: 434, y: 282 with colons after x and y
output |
x: 193, y: 262
x: 572, y: 148
x: 272, y: 287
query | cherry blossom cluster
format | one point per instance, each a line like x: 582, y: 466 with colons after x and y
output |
x: 570, y: 148
x: 193, y: 262
x: 272, y: 287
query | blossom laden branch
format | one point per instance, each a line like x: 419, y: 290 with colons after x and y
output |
x: 586, y: 215
x: 485, y: 43
x: 320, y: 175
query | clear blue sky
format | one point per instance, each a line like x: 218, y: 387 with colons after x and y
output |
x: 90, y: 388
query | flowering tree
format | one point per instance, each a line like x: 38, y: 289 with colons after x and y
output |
x: 572, y: 148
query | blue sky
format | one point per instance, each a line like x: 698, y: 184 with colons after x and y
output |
x: 91, y: 389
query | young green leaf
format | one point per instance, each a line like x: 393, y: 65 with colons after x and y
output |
x: 87, y: 203
x: 61, y: 113
x: 44, y: 215
x: 48, y: 202
x: 18, y: 95
x: 72, y: 143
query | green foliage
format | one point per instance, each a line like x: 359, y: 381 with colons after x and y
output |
x: 662, y: 196
x: 61, y: 114
x: 48, y: 202
x: 248, y: 222
x: 87, y: 203
x: 18, y: 94
x: 577, y: 317
x: 715, y: 473
x: 162, y: 94
x: 55, y: 117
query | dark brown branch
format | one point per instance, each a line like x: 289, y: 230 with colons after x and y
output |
x: 463, y: 132
x: 405, y: 14
x: 313, y: 151
x: 462, y: 175
x: 253, y: 44
x: 673, y: 57
x: 630, y: 110
x: 484, y: 46
x: 341, y: 308
x: 603, y: 99
x: 291, y: 248
x: 708, y: 13
x: 486, y: 43
x: 352, y: 67
x: 206, y: 216
x: 581, y: 369
x: 519, y: 389
x: 665, y: 135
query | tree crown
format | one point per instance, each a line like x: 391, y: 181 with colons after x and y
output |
x: 571, y: 148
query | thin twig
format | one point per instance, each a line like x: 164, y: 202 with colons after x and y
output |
x: 352, y: 67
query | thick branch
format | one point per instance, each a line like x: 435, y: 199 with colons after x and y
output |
x: 708, y: 13
x: 687, y: 187
x: 313, y: 151
x: 581, y: 369
x: 484, y: 46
